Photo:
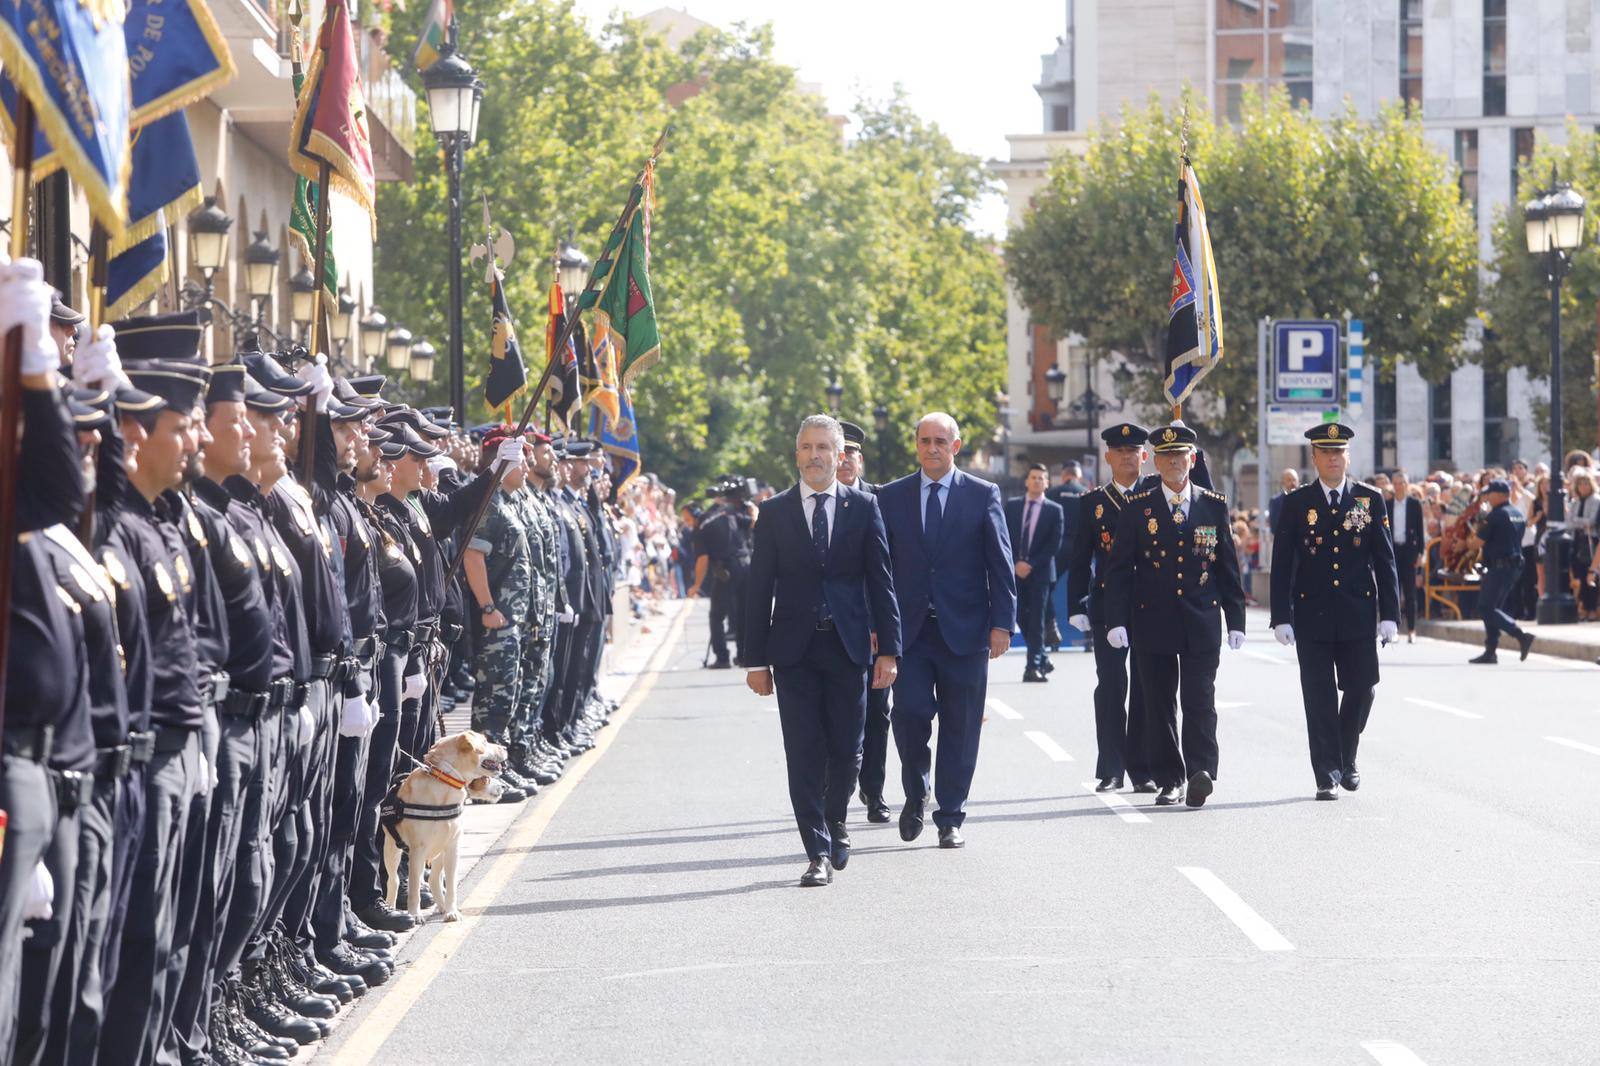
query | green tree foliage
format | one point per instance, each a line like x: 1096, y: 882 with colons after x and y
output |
x: 1517, y: 301
x: 1309, y: 219
x: 782, y: 253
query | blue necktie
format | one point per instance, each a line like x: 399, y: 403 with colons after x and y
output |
x: 819, y: 540
x: 934, y: 515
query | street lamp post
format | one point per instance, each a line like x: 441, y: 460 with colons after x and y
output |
x: 374, y: 331
x: 302, y: 298
x: 835, y: 395
x: 1554, y: 223
x: 454, y: 95
x: 339, y: 325
x: 209, y: 226
x: 398, y: 348
x: 1002, y: 414
x: 422, y: 354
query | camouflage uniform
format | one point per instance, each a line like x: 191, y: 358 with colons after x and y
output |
x: 537, y: 662
x: 497, y: 664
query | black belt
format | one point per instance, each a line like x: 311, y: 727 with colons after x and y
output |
x: 449, y: 632
x: 426, y: 631
x: 113, y: 762
x: 825, y: 625
x: 297, y: 698
x: 170, y: 738
x: 279, y: 693
x: 366, y: 648
x: 400, y: 642
x: 31, y: 742
x: 141, y: 746
x: 73, y: 789
x: 1502, y: 564
x: 213, y: 688
x: 241, y: 703
x: 324, y: 666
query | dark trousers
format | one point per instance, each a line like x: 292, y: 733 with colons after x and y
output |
x: 1031, y: 595
x: 28, y: 799
x: 366, y: 860
x: 1523, y: 602
x: 254, y: 865
x: 139, y: 1007
x: 551, y: 717
x: 822, y: 708
x: 1497, y: 583
x: 349, y: 788
x: 44, y: 954
x: 79, y: 996
x: 1405, y: 559
x: 875, y: 742
x: 1118, y: 714
x: 1189, y: 677
x: 935, y: 682
x: 127, y: 835
x: 288, y: 835
x: 727, y: 610
x: 193, y: 898
x: 314, y: 814
x: 1336, y: 684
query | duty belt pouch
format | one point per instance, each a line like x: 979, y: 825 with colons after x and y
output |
x: 113, y: 762
x: 720, y: 572
x: 73, y: 789
x: 34, y: 744
x: 452, y: 632
x: 141, y: 746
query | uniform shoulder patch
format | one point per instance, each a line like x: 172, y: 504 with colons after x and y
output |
x: 1213, y: 494
x: 1141, y: 494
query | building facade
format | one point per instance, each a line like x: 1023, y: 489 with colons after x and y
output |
x: 1493, y: 78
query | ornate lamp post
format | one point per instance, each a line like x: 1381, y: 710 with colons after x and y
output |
x: 302, y: 294
x: 209, y: 227
x: 835, y: 395
x: 422, y: 354
x: 374, y: 332
x: 398, y: 348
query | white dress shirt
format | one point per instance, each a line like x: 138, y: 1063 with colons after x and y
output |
x: 1327, y: 488
x: 828, y: 497
x: 1399, y: 524
x: 1183, y: 496
x: 947, y: 481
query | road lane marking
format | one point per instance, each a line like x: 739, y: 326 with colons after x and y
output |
x: 1574, y: 745
x: 367, y: 1037
x: 1119, y: 806
x: 1228, y: 705
x: 1260, y: 932
x: 1388, y: 1053
x: 1048, y: 746
x: 1004, y: 710
x: 1445, y: 707
x: 1266, y: 658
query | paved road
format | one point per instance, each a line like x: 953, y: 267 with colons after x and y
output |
x: 1447, y: 913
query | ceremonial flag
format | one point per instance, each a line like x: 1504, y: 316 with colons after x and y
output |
x: 330, y: 120
x: 624, y: 311
x: 619, y: 437
x: 68, y: 57
x: 1194, y: 310
x: 435, y: 32
x: 165, y: 181
x: 597, y: 372
x: 303, y: 210
x: 564, y: 378
x: 176, y: 55
x: 134, y: 274
x: 507, y: 375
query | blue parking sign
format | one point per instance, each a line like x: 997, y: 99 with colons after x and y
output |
x: 1305, y: 362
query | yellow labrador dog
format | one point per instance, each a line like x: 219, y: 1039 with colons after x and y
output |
x: 422, y: 816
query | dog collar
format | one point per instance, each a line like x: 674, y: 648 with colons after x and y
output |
x: 445, y: 775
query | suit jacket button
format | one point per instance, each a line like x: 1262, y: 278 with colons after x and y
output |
x: 1335, y: 582
x: 1336, y: 566
x: 1180, y: 592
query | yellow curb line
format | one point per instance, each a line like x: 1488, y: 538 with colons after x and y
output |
x: 373, y: 1031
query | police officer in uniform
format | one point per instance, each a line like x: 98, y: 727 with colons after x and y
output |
x: 722, y: 546
x: 1501, y: 542
x: 875, y: 743
x: 1172, y: 566
x: 1334, y: 587
x: 1118, y: 695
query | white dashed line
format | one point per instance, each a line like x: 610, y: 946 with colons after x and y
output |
x: 1119, y: 806
x: 1261, y: 934
x: 1228, y: 705
x: 1388, y: 1053
x: 1445, y: 707
x: 1048, y: 746
x: 1004, y: 710
x: 1574, y: 745
x: 1266, y: 658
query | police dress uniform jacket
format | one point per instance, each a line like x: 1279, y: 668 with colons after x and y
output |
x: 789, y: 585
x: 310, y: 545
x: 240, y: 580
x: 1333, y: 567
x: 280, y: 582
x: 1099, y: 510
x: 1166, y: 583
x: 52, y: 488
x: 155, y: 547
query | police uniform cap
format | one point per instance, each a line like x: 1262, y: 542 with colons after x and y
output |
x: 368, y: 384
x: 391, y: 449
x: 376, y: 435
x: 578, y: 449
x: 1330, y: 435
x: 1124, y: 435
x: 257, y: 397
x: 402, y: 433
x: 853, y: 434
x: 537, y: 436
x: 269, y: 372
x: 90, y: 408
x: 174, y: 336
x: 61, y: 314
x: 178, y: 387
x: 1498, y: 484
x: 127, y: 399
x: 1174, y: 438
x: 345, y: 412
x: 414, y: 418
x: 347, y: 395
x: 227, y: 383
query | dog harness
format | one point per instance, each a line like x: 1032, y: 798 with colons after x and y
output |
x: 391, y: 812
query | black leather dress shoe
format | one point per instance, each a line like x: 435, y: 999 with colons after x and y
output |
x: 950, y: 837
x: 1144, y: 786
x: 877, y: 810
x: 379, y: 915
x: 817, y: 874
x: 1169, y: 795
x: 910, y: 821
x: 1486, y: 657
x: 720, y: 664
x: 1047, y: 667
x: 344, y: 959
x: 1108, y: 784
x: 1350, y: 780
x: 841, y: 845
x: 1034, y: 677
x: 364, y: 936
x: 1526, y: 644
x: 1200, y: 787
x: 1329, y: 793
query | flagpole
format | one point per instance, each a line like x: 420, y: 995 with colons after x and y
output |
x: 319, y: 339
x: 1183, y: 164
x: 567, y: 330
x: 11, y: 380
x: 98, y: 265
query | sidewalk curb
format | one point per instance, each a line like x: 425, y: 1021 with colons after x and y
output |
x: 1561, y: 647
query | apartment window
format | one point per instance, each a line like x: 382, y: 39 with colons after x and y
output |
x: 1262, y: 45
x: 1386, y: 425
x: 1440, y: 435
x: 1411, y: 53
x: 1494, y: 57
x: 1467, y: 166
x: 1521, y: 154
x: 1501, y: 432
x: 1060, y: 118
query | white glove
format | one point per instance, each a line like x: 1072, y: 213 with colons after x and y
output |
x: 411, y: 688
x: 1079, y: 622
x: 1235, y: 640
x: 1118, y: 637
x: 353, y: 720
x: 41, y: 895
x: 510, y: 451
x: 25, y: 302
x: 373, y: 713
x: 1284, y: 633
x: 315, y: 373
x: 1387, y: 631
x: 96, y: 365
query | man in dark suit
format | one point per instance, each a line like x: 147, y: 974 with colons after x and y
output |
x: 1118, y: 719
x: 875, y: 744
x: 958, y: 601
x: 1406, y: 524
x: 1173, y: 564
x: 1035, y: 527
x: 1333, y: 592
x: 1066, y: 493
x: 821, y: 610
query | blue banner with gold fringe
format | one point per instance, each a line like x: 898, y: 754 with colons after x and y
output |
x: 165, y: 178
x: 618, y: 437
x: 176, y: 55
x: 134, y: 274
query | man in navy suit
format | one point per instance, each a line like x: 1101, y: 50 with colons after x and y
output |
x: 1035, y: 525
x: 875, y: 746
x: 958, y: 601
x: 820, y: 609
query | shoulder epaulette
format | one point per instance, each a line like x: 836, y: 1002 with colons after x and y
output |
x: 1363, y: 485
x: 1139, y: 495
x: 1213, y: 493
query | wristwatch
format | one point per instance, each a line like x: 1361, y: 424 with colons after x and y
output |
x: 489, y: 608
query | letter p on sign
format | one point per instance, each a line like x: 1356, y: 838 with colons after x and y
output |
x: 1303, y: 345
